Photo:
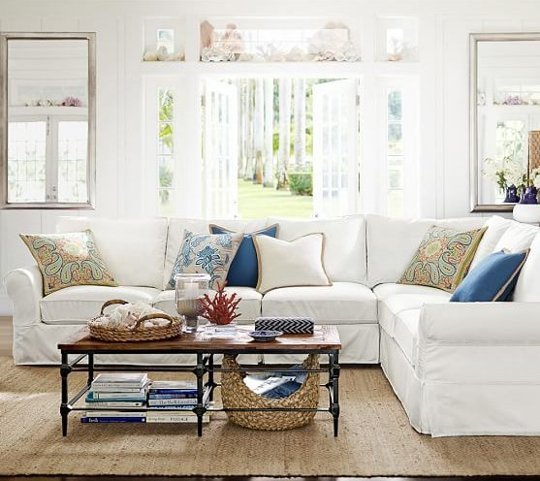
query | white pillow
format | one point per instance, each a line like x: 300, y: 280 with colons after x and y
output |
x: 528, y: 284
x: 518, y: 237
x: 344, y: 243
x: 496, y: 227
x: 289, y: 264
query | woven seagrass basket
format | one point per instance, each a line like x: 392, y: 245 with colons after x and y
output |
x: 138, y: 332
x: 235, y: 394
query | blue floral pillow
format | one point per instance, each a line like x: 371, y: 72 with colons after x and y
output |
x: 206, y: 254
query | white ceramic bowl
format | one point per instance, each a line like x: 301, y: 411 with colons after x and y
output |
x: 527, y: 213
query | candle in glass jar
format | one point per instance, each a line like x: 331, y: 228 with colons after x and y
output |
x: 191, y: 290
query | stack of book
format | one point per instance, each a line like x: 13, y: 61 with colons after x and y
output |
x: 116, y: 390
x: 172, y: 402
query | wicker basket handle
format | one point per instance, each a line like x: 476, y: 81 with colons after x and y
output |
x: 155, y: 315
x: 112, y: 302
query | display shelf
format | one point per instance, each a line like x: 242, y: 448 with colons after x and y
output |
x: 397, y: 39
x: 164, y: 38
x: 251, y: 39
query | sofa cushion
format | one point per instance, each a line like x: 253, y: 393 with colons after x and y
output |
x: 287, y: 264
x: 77, y: 304
x: 249, y: 307
x: 345, y: 246
x: 493, y: 279
x: 443, y: 258
x: 70, y: 259
x: 391, y: 243
x: 528, y: 284
x: 496, y: 227
x: 518, y: 237
x: 133, y: 249
x: 244, y: 270
x: 210, y: 254
x: 177, y: 226
x: 394, y: 299
x: 341, y: 303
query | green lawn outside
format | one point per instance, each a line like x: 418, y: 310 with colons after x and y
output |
x: 255, y: 201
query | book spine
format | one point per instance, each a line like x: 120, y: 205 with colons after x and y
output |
x: 114, y: 414
x: 163, y: 418
x: 169, y: 402
x: 117, y: 397
x: 172, y: 395
x: 176, y: 392
x: 98, y: 388
x: 113, y: 404
x: 176, y: 407
x: 93, y: 419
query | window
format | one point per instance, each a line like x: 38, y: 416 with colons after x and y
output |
x: 395, y: 153
x: 47, y: 159
x: 165, y: 154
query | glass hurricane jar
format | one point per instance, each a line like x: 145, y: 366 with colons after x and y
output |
x: 190, y: 288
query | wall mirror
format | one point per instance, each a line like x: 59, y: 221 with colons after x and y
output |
x: 47, y: 120
x: 504, y: 118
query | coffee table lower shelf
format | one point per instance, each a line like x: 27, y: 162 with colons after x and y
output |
x: 204, y: 371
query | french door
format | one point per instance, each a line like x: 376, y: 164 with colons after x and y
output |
x: 220, y: 149
x: 335, y: 157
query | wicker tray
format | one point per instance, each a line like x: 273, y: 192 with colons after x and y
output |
x: 235, y: 394
x: 137, y: 332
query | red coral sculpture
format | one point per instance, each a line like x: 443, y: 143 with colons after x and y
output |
x: 222, y: 308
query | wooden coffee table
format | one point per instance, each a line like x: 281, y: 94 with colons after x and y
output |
x: 325, y: 340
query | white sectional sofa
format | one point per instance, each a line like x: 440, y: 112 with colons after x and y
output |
x: 458, y: 368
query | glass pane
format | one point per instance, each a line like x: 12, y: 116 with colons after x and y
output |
x: 26, y: 161
x: 395, y: 105
x: 510, y: 140
x: 165, y: 154
x: 72, y: 146
x: 395, y: 139
x: 396, y: 203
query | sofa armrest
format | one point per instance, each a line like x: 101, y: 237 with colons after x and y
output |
x: 25, y: 288
x: 480, y: 323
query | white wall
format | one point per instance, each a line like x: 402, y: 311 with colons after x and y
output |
x: 443, y: 52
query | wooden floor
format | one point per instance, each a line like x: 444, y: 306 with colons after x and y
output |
x: 6, y: 334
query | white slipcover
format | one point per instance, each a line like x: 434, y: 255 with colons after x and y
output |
x: 77, y: 304
x: 340, y: 303
x: 133, y: 249
x: 528, y: 284
x: 344, y: 243
x: 391, y: 243
x: 395, y: 298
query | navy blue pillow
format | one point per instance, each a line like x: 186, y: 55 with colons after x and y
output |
x: 493, y: 279
x: 244, y: 270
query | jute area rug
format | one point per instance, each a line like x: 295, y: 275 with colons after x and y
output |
x: 375, y: 439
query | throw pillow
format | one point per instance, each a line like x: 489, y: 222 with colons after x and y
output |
x: 493, y: 279
x: 244, y: 270
x: 66, y: 260
x: 290, y: 264
x: 206, y: 253
x: 443, y: 258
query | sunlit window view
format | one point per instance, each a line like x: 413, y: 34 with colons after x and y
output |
x: 280, y: 147
x: 72, y: 166
x: 395, y: 153
x: 165, y: 152
x: 26, y: 161
x: 47, y: 160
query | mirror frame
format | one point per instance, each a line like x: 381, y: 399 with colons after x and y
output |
x: 474, y: 38
x: 90, y: 37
